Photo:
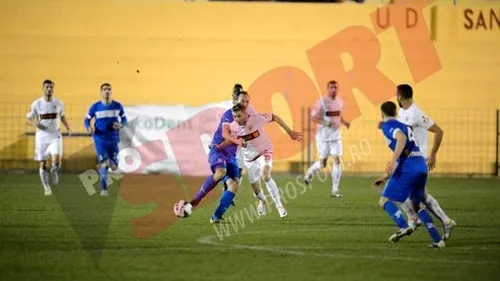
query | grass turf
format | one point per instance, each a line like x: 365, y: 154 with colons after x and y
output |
x: 73, y: 236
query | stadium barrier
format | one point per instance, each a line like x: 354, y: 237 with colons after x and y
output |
x: 288, y: 55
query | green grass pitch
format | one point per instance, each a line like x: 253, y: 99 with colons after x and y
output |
x: 323, y: 238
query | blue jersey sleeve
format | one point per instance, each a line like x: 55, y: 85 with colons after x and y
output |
x: 90, y: 115
x: 227, y: 117
x: 122, y: 115
x: 391, y: 128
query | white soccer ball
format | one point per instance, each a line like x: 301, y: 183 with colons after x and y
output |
x: 182, y: 209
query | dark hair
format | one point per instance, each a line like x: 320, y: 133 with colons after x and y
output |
x: 332, y: 82
x: 237, y: 89
x: 388, y: 108
x: 242, y: 93
x: 405, y: 91
x: 105, y: 85
x: 238, y: 107
x: 47, y: 81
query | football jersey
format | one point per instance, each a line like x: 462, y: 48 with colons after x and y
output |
x: 257, y: 142
x: 390, y: 128
x: 329, y: 110
x: 49, y: 114
x: 227, y: 117
x: 419, y: 122
x: 105, y: 115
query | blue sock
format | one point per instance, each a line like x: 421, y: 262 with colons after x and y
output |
x: 393, y: 211
x: 225, y: 201
x: 103, y: 172
x: 426, y: 219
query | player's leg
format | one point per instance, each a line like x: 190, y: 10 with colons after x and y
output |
x: 418, y: 197
x: 218, y: 164
x: 219, y: 172
x: 254, y: 175
x: 44, y: 177
x: 336, y: 152
x: 323, y: 152
x: 396, y: 190
x: 104, y: 152
x: 56, y: 151
x: 266, y: 162
x: 41, y: 156
x: 226, y: 200
x: 448, y: 224
x: 259, y: 194
x: 407, y: 207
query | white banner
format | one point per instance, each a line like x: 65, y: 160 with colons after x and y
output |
x: 168, y: 139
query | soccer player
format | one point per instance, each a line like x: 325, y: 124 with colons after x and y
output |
x: 222, y: 160
x: 328, y: 115
x: 407, y: 172
x: 45, y: 114
x: 246, y: 130
x: 411, y: 115
x: 109, y: 119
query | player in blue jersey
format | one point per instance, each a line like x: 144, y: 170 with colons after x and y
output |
x: 222, y: 160
x: 109, y: 119
x: 407, y: 176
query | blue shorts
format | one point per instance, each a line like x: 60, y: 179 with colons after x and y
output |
x: 220, y: 159
x: 107, y: 151
x: 408, y: 180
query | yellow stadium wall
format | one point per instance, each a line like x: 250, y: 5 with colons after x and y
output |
x: 192, y: 53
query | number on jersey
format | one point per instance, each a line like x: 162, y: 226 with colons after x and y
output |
x: 411, y: 136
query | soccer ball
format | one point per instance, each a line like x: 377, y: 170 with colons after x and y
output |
x: 182, y: 209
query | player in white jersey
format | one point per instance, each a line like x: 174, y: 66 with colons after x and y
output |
x: 45, y: 114
x: 412, y: 115
x: 327, y: 113
x: 247, y: 130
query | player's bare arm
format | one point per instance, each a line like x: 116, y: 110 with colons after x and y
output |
x: 438, y: 138
x: 345, y: 122
x: 90, y: 127
x: 64, y: 121
x: 293, y: 135
x: 381, y: 180
x: 223, y: 144
x: 36, y: 123
x: 400, y: 145
x: 226, y: 134
x: 117, y: 125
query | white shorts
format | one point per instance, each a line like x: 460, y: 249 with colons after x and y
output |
x: 327, y: 148
x: 48, y: 147
x: 240, y: 158
x: 254, y: 168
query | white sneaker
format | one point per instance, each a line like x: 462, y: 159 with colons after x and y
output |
x: 337, y: 195
x: 54, y: 176
x: 104, y: 193
x: 261, y: 208
x: 282, y: 211
x: 448, y: 228
x: 438, y: 245
x: 48, y: 192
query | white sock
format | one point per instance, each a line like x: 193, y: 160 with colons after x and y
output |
x: 55, y: 168
x: 336, y: 173
x: 44, y: 177
x: 433, y: 205
x: 407, y: 207
x: 260, y: 195
x: 316, y: 166
x: 273, y: 190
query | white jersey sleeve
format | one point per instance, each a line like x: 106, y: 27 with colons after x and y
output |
x: 61, y: 109
x: 33, y: 112
x: 420, y: 119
